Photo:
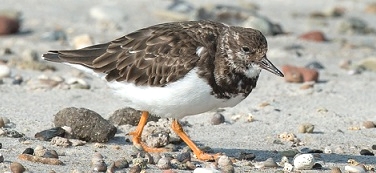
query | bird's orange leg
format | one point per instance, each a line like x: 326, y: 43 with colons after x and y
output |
x: 138, y: 132
x: 199, y: 153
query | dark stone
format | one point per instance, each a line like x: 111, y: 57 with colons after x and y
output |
x: 47, y: 135
x: 246, y: 156
x: 315, y: 151
x: 28, y: 151
x: 86, y: 125
x: 184, y: 157
x: 365, y: 152
x: 128, y: 116
x: 1, y: 145
x: 317, y: 166
x: 374, y: 147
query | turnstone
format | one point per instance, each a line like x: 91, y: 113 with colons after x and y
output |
x: 177, y: 69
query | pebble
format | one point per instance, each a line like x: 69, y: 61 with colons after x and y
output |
x: 128, y: 116
x: 284, y: 160
x: 77, y: 142
x: 183, y: 157
x: 28, y: 151
x: 366, y: 152
x: 16, y: 167
x: 288, y: 167
x: 206, y: 170
x: 37, y: 159
x: 121, y: 163
x: 45, y: 153
x: 299, y: 74
x: 246, y: 156
x: 140, y: 162
x: 191, y: 165
x: 77, y: 83
x: 370, y: 8
x: 224, y: 161
x: 47, y: 135
x: 335, y: 170
x: 60, y: 141
x: 307, y: 85
x: 1, y: 158
x: 86, y: 124
x: 328, y: 150
x: 164, y: 163
x: 369, y: 124
x: 355, y: 169
x: 4, y: 71
x: 8, y: 25
x: 17, y: 80
x: 160, y: 134
x: 304, y: 162
x: 316, y: 36
x: 345, y: 64
x: 270, y: 163
x: 217, y: 118
x: 97, y: 163
x: 353, y: 25
x: 178, y: 165
x: 135, y: 169
x: 12, y: 133
x: 373, y: 147
x: 368, y: 64
x: 306, y: 128
x: 82, y: 41
x: 287, y: 136
x: 315, y: 65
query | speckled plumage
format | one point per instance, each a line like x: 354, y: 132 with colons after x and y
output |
x: 227, y: 58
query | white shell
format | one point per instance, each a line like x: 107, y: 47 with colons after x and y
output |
x: 355, y: 169
x: 288, y: 167
x: 205, y: 170
x: 4, y: 71
x: 304, y: 161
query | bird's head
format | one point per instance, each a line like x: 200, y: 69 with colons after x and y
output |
x: 246, y: 50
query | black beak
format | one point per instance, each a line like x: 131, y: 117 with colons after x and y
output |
x: 267, y: 65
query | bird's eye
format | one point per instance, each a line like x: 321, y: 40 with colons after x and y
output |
x: 245, y: 49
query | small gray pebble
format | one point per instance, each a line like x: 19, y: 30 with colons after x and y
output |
x: 28, y: 151
x: 217, y: 118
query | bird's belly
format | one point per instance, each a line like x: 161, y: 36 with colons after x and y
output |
x: 188, y: 96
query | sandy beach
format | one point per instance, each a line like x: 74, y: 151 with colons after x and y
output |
x: 337, y: 104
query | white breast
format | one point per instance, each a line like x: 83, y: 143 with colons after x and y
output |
x: 187, y: 96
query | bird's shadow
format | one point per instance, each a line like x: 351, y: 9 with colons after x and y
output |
x: 262, y: 155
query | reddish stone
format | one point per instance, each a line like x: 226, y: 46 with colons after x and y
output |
x: 299, y: 74
x: 8, y: 25
x: 317, y: 36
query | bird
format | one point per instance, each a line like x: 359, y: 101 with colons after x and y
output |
x: 176, y: 69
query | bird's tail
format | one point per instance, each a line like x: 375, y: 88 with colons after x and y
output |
x: 84, y: 56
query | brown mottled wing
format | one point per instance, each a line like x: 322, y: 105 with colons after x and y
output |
x: 152, y: 56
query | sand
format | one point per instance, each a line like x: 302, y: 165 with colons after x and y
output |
x: 337, y: 102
